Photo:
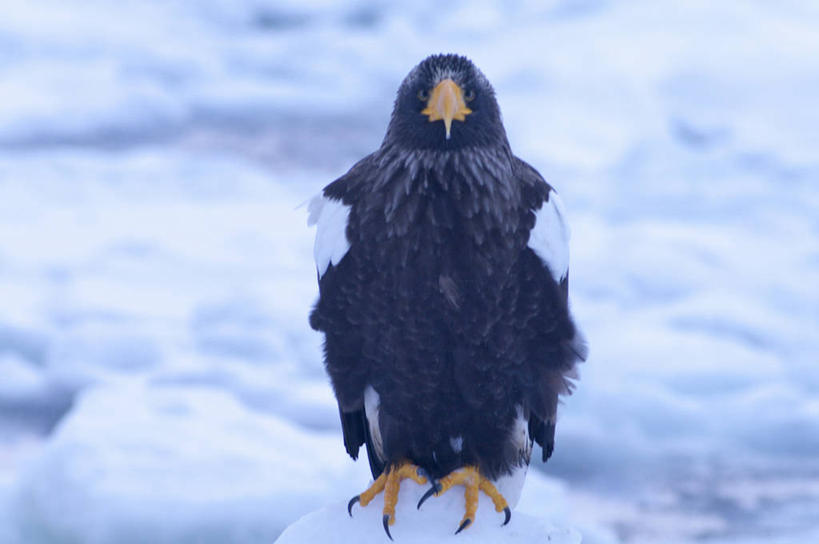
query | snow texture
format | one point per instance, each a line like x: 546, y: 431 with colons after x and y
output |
x: 435, y: 521
x: 175, y: 464
x: 153, y: 157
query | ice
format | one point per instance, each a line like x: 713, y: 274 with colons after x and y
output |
x: 431, y: 523
x: 175, y: 464
x: 21, y: 381
x: 540, y: 515
x: 153, y: 158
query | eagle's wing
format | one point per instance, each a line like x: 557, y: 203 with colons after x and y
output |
x: 329, y: 212
x: 330, y: 216
x: 558, y: 343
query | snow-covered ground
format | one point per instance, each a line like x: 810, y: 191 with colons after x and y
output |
x: 430, y: 524
x: 158, y: 379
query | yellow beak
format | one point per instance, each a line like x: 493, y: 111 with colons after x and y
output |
x: 447, y: 103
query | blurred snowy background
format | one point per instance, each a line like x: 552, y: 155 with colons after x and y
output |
x: 158, y: 378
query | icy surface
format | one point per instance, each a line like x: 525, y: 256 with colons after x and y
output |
x: 432, y: 523
x: 153, y: 158
x: 171, y: 464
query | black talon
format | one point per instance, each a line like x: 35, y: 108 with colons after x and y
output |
x: 387, y: 525
x: 464, y: 525
x: 430, y: 492
x: 508, y: 513
x: 435, y: 488
x: 351, y: 503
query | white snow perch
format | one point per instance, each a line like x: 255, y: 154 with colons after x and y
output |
x: 436, y: 520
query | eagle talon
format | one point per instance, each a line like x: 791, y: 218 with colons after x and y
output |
x: 434, y: 489
x: 350, y: 504
x: 386, y: 520
x: 389, y: 481
x: 473, y: 482
x: 464, y: 524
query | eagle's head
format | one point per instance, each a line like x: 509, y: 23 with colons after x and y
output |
x: 445, y: 103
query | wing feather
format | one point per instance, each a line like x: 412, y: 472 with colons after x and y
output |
x: 330, y: 215
x: 549, y: 241
x: 549, y: 238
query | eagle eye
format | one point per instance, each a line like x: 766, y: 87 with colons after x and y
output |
x: 469, y: 95
x: 423, y: 95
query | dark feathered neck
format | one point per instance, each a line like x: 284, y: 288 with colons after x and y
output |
x: 489, y: 167
x: 476, y: 181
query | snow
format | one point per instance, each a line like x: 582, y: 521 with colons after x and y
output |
x: 432, y: 523
x: 153, y: 158
x: 175, y: 464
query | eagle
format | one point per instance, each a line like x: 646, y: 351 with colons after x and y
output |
x: 443, y: 272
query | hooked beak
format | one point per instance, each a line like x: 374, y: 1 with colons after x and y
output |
x: 447, y: 103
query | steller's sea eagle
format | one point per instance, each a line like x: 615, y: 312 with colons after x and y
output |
x: 443, y: 271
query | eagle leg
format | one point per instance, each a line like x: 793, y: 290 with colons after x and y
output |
x: 473, y: 482
x: 389, y: 482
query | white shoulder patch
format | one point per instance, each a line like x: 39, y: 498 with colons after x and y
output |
x: 331, y: 234
x: 549, y: 238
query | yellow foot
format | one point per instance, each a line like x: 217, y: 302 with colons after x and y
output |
x: 471, y: 479
x: 389, y: 482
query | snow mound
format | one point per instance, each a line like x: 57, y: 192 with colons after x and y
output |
x: 437, y: 519
x: 173, y: 464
